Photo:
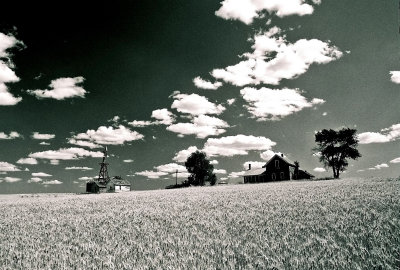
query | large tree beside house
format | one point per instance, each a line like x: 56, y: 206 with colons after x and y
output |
x: 200, y: 169
x: 334, y: 148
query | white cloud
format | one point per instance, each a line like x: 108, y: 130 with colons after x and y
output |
x: 109, y: 135
x: 171, y: 167
x: 85, y: 178
x: 274, y: 58
x: 202, y: 126
x: 62, y: 88
x: 247, y: 10
x: 396, y: 160
x: 214, y: 162
x: 395, y: 76
x: 44, y: 143
x: 386, y: 135
x: 41, y: 174
x: 136, y: 123
x: 65, y: 154
x: 52, y: 182
x: 35, y: 180
x: 163, y: 116
x: 30, y: 161
x: 11, y: 136
x: 380, y: 166
x: 182, y: 155
x: 274, y: 104
x: 8, y: 167
x: 200, y: 83
x: 152, y: 174
x: 231, y: 101
x: 267, y: 155
x: 79, y: 168
x: 236, y: 145
x: 220, y: 171
x: 128, y: 160
x: 54, y: 161
x: 319, y: 169
x: 324, y: 114
x: 11, y: 179
x: 38, y: 136
x: 194, y: 104
x: 84, y: 143
x: 7, y: 75
x: 254, y: 165
x: 236, y: 174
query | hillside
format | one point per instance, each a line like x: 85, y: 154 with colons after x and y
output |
x: 342, y: 224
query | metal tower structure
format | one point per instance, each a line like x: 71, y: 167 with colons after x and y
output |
x: 103, y: 174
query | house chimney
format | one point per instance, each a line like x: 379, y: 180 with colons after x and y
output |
x: 281, y: 155
x: 249, y: 166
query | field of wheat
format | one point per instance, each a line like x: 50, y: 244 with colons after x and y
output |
x: 343, y: 224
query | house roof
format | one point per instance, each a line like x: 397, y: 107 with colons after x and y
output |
x: 285, y: 159
x: 121, y: 182
x: 303, y: 171
x: 254, y: 172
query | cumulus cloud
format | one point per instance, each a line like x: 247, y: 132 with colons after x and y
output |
x: 84, y: 143
x: 11, y: 136
x: 85, y: 178
x: 65, y: 154
x: 220, y: 171
x: 136, y: 123
x: 236, y: 145
x: 381, y: 166
x: 396, y: 160
x: 202, y: 126
x: 247, y: 10
x: 254, y: 165
x: 194, y: 104
x: 395, y: 76
x: 163, y: 170
x: 52, y: 182
x: 214, y: 162
x: 386, y: 135
x: 200, y: 83
x: 182, y: 155
x: 267, y: 155
x: 319, y: 169
x: 7, y: 75
x: 274, y: 104
x: 29, y: 161
x: 62, y: 88
x: 11, y: 179
x: 41, y: 174
x: 109, y: 135
x: 163, y: 116
x: 8, y: 167
x: 231, y: 101
x: 79, y: 168
x: 38, y: 136
x: 152, y: 174
x: 35, y: 180
x: 128, y: 160
x: 274, y: 58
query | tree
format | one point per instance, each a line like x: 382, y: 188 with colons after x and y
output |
x: 200, y: 169
x: 335, y: 147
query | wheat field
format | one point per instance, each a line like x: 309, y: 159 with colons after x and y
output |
x: 342, y: 224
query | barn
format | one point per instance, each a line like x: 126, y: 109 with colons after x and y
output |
x: 278, y: 168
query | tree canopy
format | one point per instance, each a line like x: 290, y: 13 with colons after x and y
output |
x: 334, y: 148
x: 200, y: 169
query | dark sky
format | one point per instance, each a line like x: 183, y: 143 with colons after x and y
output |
x: 133, y: 57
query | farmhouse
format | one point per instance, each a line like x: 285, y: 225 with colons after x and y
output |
x: 103, y: 183
x: 278, y: 168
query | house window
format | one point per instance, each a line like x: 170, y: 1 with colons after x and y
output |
x: 277, y: 164
x: 282, y: 175
x: 273, y: 176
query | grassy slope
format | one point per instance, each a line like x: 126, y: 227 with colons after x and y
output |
x: 344, y: 224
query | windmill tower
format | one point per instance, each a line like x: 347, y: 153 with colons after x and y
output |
x: 103, y: 174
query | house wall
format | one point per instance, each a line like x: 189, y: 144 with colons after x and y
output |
x: 280, y: 170
x: 122, y: 188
